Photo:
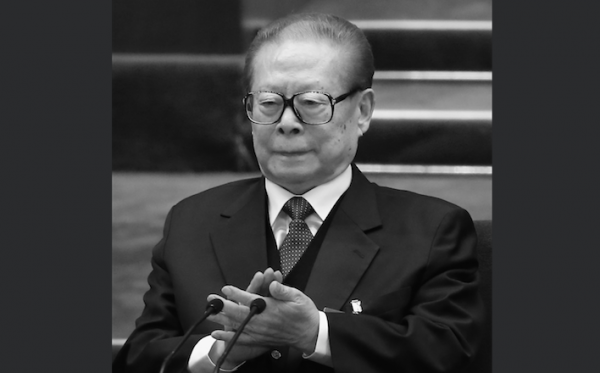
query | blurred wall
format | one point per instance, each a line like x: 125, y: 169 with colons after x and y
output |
x: 177, y: 80
x: 180, y: 26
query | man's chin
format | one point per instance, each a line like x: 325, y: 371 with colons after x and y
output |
x: 293, y: 178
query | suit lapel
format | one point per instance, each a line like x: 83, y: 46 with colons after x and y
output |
x: 239, y: 241
x: 347, y: 251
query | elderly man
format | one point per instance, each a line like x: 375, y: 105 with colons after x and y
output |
x: 356, y: 277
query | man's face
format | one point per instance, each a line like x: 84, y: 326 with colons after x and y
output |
x: 300, y: 156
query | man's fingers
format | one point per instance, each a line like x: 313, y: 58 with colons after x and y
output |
x: 256, y: 283
x: 243, y: 339
x: 278, y: 276
x: 232, y: 313
x: 230, y: 322
x: 216, y: 296
x: 235, y: 294
x: 282, y: 292
x: 269, y: 273
x: 260, y: 281
x: 267, y: 278
x: 222, y: 335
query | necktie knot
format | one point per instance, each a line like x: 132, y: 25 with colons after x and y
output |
x: 297, y: 208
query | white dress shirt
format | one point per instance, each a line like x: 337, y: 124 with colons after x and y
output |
x: 322, y: 198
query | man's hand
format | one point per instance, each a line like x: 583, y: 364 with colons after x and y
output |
x: 261, y: 281
x: 291, y: 318
x: 240, y: 353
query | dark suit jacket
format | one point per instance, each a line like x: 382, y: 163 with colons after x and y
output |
x: 410, y: 260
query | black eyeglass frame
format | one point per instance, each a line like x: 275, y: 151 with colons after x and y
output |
x: 290, y: 102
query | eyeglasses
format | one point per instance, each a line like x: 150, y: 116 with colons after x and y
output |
x: 311, y: 107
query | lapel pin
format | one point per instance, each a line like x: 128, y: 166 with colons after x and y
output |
x: 356, y: 307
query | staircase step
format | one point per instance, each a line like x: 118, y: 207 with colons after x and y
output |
x: 428, y: 137
x: 433, y: 90
x: 430, y: 45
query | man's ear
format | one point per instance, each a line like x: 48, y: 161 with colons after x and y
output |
x: 366, y: 106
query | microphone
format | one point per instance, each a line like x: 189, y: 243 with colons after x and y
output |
x: 257, y: 306
x: 214, y: 306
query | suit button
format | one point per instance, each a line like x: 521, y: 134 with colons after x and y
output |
x: 275, y: 354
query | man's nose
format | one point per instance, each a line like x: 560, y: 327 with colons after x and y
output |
x: 289, y: 123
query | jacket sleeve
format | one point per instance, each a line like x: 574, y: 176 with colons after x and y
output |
x: 158, y: 330
x: 441, y: 329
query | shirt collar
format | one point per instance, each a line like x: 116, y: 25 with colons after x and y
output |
x: 322, y: 198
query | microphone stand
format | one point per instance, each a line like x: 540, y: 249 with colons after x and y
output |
x: 214, y: 306
x: 257, y: 306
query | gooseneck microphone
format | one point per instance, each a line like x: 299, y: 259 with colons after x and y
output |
x: 256, y: 306
x: 213, y: 307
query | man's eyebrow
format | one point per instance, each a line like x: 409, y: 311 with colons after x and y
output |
x: 297, y: 90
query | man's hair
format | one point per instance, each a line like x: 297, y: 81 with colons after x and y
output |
x: 315, y: 26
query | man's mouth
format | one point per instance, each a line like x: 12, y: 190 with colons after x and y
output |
x: 291, y: 153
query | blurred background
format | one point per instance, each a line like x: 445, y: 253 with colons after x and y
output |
x: 178, y: 126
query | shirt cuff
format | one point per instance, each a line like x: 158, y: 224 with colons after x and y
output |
x: 322, y: 354
x: 200, y: 362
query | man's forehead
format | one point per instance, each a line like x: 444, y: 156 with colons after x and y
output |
x: 300, y: 53
x: 326, y: 49
x: 295, y: 55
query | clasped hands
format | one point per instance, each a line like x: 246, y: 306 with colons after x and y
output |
x: 291, y: 318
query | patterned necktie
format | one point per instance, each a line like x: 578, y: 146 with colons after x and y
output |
x: 299, y: 235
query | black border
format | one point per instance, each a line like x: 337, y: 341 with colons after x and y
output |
x: 545, y: 188
x: 56, y: 186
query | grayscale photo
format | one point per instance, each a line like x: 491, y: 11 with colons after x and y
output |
x: 302, y: 186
